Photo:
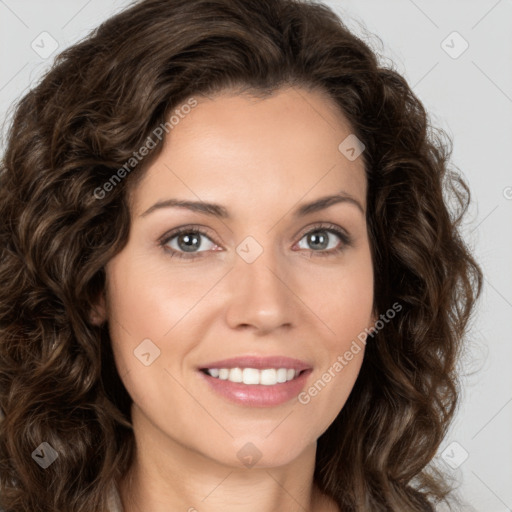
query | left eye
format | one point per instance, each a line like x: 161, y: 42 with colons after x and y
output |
x: 318, y: 238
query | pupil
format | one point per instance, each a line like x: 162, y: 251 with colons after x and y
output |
x: 318, y: 239
x: 191, y: 242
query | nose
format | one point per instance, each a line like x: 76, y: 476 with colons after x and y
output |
x: 262, y: 298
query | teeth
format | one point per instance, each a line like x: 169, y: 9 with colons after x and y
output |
x: 281, y: 374
x: 251, y: 376
x: 235, y: 375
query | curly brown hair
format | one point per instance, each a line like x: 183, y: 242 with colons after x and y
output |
x: 101, y: 101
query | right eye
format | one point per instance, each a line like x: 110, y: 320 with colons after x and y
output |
x: 184, y: 241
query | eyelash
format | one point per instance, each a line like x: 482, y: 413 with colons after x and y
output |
x: 330, y: 228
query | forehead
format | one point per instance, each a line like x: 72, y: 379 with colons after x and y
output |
x: 237, y: 147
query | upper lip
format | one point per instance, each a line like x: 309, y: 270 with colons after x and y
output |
x: 259, y: 363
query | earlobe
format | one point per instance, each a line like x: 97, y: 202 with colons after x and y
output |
x: 98, y: 313
x: 375, y: 317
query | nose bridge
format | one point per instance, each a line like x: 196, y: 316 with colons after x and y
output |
x: 260, y: 296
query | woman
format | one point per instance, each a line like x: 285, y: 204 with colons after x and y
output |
x: 230, y: 277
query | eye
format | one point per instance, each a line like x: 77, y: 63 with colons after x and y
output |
x: 323, y: 240
x: 184, y: 242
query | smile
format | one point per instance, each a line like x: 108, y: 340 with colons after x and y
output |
x: 258, y: 388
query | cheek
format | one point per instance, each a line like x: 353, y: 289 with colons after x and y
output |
x: 325, y: 396
x: 342, y: 299
x: 147, y: 300
x: 342, y: 302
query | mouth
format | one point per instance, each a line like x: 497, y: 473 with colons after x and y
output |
x: 256, y: 381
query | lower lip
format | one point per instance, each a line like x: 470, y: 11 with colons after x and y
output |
x: 258, y: 395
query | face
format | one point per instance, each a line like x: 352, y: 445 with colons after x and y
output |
x: 259, y: 276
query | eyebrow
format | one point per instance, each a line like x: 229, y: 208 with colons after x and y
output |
x: 216, y: 210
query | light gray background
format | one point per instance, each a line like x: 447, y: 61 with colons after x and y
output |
x: 470, y: 96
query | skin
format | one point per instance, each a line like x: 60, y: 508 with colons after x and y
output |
x: 260, y: 159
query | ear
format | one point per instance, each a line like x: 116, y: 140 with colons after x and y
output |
x: 98, y: 314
